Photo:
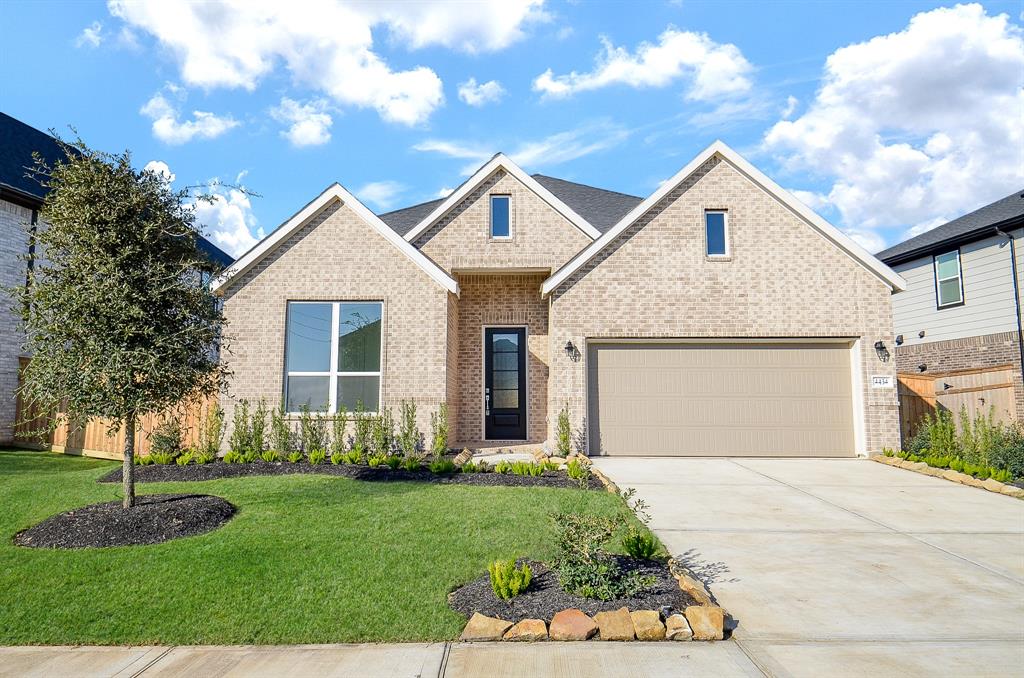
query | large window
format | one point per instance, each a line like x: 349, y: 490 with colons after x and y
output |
x: 501, y: 223
x: 949, y: 285
x: 332, y: 355
x: 715, y: 237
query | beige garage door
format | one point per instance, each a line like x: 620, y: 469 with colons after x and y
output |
x: 754, y: 399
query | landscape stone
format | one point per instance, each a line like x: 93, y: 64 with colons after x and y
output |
x: 691, y: 585
x: 647, y: 625
x: 1012, y: 491
x: 992, y: 485
x: 955, y: 476
x: 972, y: 481
x: 571, y: 624
x: 615, y: 625
x: 463, y: 457
x: 481, y: 627
x: 917, y: 466
x: 676, y: 628
x: 706, y: 622
x: 528, y: 630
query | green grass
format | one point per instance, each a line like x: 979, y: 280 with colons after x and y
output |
x: 307, y: 559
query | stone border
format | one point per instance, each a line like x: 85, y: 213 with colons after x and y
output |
x: 989, y: 484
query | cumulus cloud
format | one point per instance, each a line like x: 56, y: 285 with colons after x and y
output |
x: 327, y: 45
x: 169, y: 128
x: 160, y: 168
x: 445, y: 192
x: 229, y: 220
x: 915, y: 127
x: 91, y: 35
x: 710, y: 69
x: 479, y: 95
x: 381, y: 194
x: 308, y: 124
x: 791, y: 103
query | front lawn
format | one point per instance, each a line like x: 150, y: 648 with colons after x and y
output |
x: 307, y: 559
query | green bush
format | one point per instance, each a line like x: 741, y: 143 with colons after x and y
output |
x: 507, y: 580
x: 184, y: 459
x: 241, y: 428
x: 352, y: 457
x: 375, y: 460
x: 166, y: 438
x: 584, y: 568
x: 408, y: 433
x: 503, y: 466
x: 143, y: 460
x: 258, y: 428
x: 563, y: 433
x: 281, y: 437
x: 577, y: 470
x: 251, y: 455
x: 312, y: 430
x: 339, y: 426
x: 233, y: 457
x: 394, y: 461
x: 639, y: 543
x: 439, y: 431
x: 363, y: 423
x: 1002, y: 475
x: 888, y: 451
x: 317, y: 456
x: 957, y: 464
x: 294, y: 457
x: 337, y: 457
x: 1008, y: 450
x: 411, y: 464
x: 525, y: 468
x: 383, y: 431
x: 205, y: 457
x: 211, y: 433
x: 443, y: 466
x: 270, y: 455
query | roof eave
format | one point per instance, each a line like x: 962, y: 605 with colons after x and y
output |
x: 954, y: 241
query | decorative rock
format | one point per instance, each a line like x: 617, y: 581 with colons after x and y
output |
x: 647, y: 625
x: 1012, y: 491
x: 617, y: 625
x: 571, y: 624
x: 917, y: 466
x: 935, y: 472
x: 690, y: 584
x: 676, y: 628
x: 463, y: 457
x: 528, y: 630
x: 992, y: 485
x: 955, y: 476
x: 481, y: 627
x: 707, y: 623
x: 557, y: 459
x: 972, y: 481
x: 540, y: 455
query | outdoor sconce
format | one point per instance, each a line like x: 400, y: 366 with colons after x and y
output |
x: 922, y: 367
x: 882, y: 351
x: 571, y: 351
x: 899, y: 339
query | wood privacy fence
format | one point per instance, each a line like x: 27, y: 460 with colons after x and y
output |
x: 92, y: 439
x: 979, y: 391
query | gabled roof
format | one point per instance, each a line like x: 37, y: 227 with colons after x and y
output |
x: 600, y: 207
x: 827, y: 230
x: 333, y: 193
x: 500, y: 161
x: 1008, y: 212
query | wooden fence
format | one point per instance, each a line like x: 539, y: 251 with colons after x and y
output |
x: 94, y: 438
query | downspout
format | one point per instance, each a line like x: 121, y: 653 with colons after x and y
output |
x: 31, y: 258
x: 1016, y: 296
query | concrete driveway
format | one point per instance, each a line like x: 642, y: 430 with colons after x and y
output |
x: 844, y: 566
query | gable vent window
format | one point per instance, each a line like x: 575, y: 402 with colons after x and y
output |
x: 501, y: 223
x: 949, y: 283
x: 716, y: 237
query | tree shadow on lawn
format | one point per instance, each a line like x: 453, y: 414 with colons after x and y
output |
x: 33, y: 461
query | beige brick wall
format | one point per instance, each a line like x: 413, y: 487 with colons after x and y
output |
x: 338, y: 257
x: 13, y: 245
x: 541, y: 237
x: 496, y: 300
x: 783, y: 279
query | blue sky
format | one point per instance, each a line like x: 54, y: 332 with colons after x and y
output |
x: 886, y: 117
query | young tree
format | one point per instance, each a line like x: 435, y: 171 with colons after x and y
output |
x: 119, y: 322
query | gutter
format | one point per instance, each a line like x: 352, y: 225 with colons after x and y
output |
x: 953, y: 241
x: 1016, y: 295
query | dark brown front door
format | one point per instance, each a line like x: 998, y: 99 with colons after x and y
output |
x: 505, y: 383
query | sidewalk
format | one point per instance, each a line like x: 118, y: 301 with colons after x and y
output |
x: 493, y: 660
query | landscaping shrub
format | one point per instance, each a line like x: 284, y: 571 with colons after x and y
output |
x: 443, y: 466
x: 270, y: 455
x: 352, y: 457
x: 503, y: 467
x: 439, y: 431
x: 408, y: 434
x: 312, y: 430
x: 294, y: 457
x: 888, y: 452
x: 563, y: 433
x: 233, y: 457
x: 383, y: 431
x: 549, y: 465
x: 584, y: 568
x: 166, y: 439
x: 375, y: 460
x: 211, y: 433
x: 363, y: 431
x: 258, y: 428
x: 524, y: 468
x: 980, y: 447
x: 241, y: 429
x: 339, y: 426
x: 337, y: 457
x: 184, y: 459
x: 410, y: 463
x: 578, y: 471
x: 394, y: 461
x: 640, y: 543
x: 317, y: 456
x: 1008, y: 450
x: 281, y: 438
x: 507, y: 580
x: 143, y: 461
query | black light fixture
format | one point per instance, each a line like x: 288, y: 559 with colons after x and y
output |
x: 922, y: 367
x: 570, y: 350
x: 899, y: 339
x: 882, y: 351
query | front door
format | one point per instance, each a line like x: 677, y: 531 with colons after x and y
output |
x: 505, y: 383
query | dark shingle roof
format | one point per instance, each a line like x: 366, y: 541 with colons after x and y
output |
x: 600, y: 207
x: 17, y: 143
x: 1008, y: 211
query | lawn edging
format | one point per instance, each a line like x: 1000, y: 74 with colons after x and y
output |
x: 989, y: 484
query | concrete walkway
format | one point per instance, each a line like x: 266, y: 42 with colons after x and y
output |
x: 846, y: 567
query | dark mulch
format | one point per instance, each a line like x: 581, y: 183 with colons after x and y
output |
x: 155, y: 518
x: 545, y: 597
x: 218, y: 469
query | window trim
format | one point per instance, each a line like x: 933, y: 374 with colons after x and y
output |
x: 725, y: 233
x: 507, y: 197
x: 959, y: 275
x: 333, y: 375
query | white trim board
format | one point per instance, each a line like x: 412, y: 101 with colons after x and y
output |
x: 827, y: 230
x: 334, y: 192
x: 501, y: 161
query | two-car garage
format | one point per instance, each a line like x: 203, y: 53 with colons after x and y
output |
x: 701, y: 398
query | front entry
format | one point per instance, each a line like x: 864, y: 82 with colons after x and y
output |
x: 505, y: 383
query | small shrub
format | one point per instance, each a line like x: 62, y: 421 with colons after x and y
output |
x: 443, y: 466
x: 352, y: 457
x: 563, y: 433
x: 577, y: 470
x: 525, y: 468
x: 162, y: 457
x: 550, y: 465
x: 241, y: 428
x: 383, y: 431
x: 584, y: 568
x: 270, y: 455
x: 640, y: 543
x: 184, y: 459
x: 503, y: 467
x: 888, y: 451
x: 166, y: 438
x: 484, y: 467
x: 233, y: 457
x: 317, y: 456
x: 439, y: 431
x: 205, y: 456
x: 294, y: 457
x: 363, y: 431
x: 408, y: 434
x: 143, y: 460
x: 411, y: 464
x: 1008, y: 450
x: 957, y: 464
x: 258, y: 428
x: 312, y: 430
x: 339, y: 426
x: 250, y: 455
x: 1002, y: 475
x: 337, y: 457
x: 394, y: 462
x: 507, y: 580
x: 281, y: 437
x: 211, y: 434
x: 375, y: 460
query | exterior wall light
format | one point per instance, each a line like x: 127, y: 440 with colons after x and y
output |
x: 571, y: 351
x: 882, y: 351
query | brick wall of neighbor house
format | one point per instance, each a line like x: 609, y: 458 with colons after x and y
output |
x: 315, y: 263
x: 783, y: 280
x: 968, y: 353
x: 13, y: 246
x: 495, y: 300
x: 541, y: 237
x: 452, y: 369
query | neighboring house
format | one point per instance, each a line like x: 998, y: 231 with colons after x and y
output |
x: 958, y: 324
x: 21, y: 198
x: 718, y: 316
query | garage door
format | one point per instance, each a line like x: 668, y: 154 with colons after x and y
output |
x: 753, y: 399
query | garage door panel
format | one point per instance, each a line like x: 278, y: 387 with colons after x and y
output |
x: 736, y: 400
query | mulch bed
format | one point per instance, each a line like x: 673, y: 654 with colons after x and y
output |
x: 545, y: 597
x: 218, y: 469
x: 154, y: 519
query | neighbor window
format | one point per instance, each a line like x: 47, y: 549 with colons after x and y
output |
x: 949, y: 287
x: 715, y: 239
x: 501, y: 226
x: 332, y: 355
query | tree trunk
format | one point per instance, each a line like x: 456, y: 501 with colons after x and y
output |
x: 128, y: 469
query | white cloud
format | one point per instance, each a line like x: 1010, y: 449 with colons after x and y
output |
x: 327, y: 45
x: 91, y: 35
x: 454, y: 149
x: 479, y: 95
x: 709, y: 68
x: 308, y: 124
x: 160, y: 167
x: 168, y: 128
x: 872, y: 241
x: 915, y: 127
x: 229, y: 220
x: 382, y: 194
x: 445, y: 192
x: 791, y: 103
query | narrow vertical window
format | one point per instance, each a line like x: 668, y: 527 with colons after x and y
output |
x: 501, y: 227
x: 949, y: 286
x: 716, y: 242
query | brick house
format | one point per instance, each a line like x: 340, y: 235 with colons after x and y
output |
x: 718, y: 316
x: 958, y: 324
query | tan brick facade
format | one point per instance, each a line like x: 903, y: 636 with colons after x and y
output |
x: 782, y: 279
x: 14, y: 221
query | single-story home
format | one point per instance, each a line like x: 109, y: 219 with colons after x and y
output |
x: 717, y: 316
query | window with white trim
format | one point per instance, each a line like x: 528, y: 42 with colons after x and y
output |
x: 949, y: 283
x: 716, y: 237
x: 501, y: 217
x: 332, y: 355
